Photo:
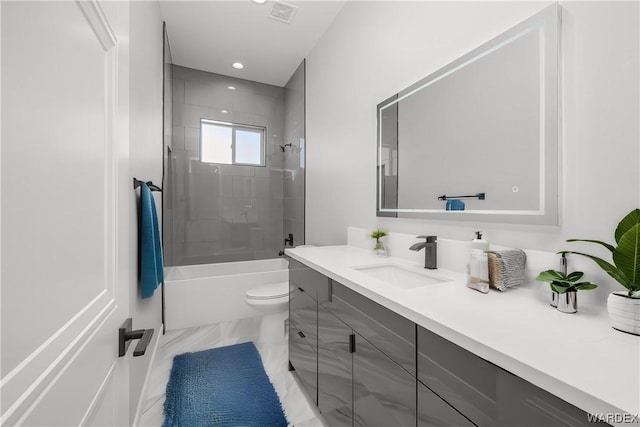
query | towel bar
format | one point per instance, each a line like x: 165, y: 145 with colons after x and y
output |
x: 479, y: 196
x: 152, y: 186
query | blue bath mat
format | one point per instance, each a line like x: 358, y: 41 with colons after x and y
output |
x: 224, y: 386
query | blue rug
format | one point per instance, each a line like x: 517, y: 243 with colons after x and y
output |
x: 224, y: 386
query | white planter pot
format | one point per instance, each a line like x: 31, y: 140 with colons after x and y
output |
x: 624, y: 312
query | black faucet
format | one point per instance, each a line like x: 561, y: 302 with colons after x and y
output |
x: 289, y: 240
x: 430, y: 251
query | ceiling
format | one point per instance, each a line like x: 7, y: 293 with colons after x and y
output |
x: 211, y: 35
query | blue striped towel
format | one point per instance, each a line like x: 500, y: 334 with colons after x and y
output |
x: 151, y: 268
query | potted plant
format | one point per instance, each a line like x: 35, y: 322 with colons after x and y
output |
x: 623, y: 307
x: 379, y: 247
x: 566, y: 286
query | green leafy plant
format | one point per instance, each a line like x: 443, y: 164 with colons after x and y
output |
x: 562, y: 283
x: 378, y: 234
x: 625, y: 268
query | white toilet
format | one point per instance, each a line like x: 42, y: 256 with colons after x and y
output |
x: 273, y: 301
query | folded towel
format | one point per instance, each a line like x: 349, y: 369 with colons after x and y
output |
x: 150, y: 246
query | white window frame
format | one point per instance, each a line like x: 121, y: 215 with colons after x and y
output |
x: 237, y: 127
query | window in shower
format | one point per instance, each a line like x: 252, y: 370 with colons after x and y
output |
x: 231, y: 143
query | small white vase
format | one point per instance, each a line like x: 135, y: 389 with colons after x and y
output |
x: 624, y: 312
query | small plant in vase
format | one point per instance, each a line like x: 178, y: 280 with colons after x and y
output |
x: 623, y: 307
x: 567, y: 287
x: 379, y: 247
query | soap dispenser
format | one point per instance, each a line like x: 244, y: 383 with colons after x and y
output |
x: 478, y: 267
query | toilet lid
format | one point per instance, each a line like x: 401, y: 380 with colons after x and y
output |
x: 270, y: 291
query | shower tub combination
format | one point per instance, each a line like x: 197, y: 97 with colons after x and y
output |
x: 198, y: 295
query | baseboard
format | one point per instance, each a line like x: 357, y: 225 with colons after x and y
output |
x: 143, y: 393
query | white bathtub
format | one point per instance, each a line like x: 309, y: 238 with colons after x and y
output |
x: 209, y: 293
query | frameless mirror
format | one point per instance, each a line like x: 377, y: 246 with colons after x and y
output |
x: 478, y: 139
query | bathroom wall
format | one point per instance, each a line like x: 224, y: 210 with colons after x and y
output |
x: 294, y: 156
x: 225, y: 213
x: 375, y: 49
x: 145, y: 150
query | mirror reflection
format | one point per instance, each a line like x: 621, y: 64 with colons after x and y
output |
x: 479, y: 137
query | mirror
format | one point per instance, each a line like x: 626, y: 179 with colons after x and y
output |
x: 478, y: 139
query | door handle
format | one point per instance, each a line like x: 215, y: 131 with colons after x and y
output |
x: 126, y: 334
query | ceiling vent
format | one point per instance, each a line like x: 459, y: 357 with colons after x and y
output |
x: 283, y: 12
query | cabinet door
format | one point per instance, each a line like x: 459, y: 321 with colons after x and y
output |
x: 304, y: 360
x: 314, y: 283
x: 433, y: 411
x: 384, y: 394
x: 464, y: 380
x: 303, y: 312
x: 521, y: 403
x: 391, y: 333
x: 334, y: 370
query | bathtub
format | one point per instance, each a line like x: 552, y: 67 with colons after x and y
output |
x: 198, y: 295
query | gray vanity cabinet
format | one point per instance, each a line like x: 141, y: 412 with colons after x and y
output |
x: 305, y: 287
x: 384, y: 394
x: 434, y: 411
x: 524, y: 404
x: 365, y: 365
x: 482, y: 392
x: 303, y: 358
x: 366, y: 362
x: 464, y: 380
x: 334, y: 369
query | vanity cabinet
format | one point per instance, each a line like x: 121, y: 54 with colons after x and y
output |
x: 335, y: 394
x: 482, y: 392
x: 435, y: 411
x: 524, y: 404
x: 384, y: 394
x: 365, y: 365
x: 464, y: 380
x: 305, y: 287
x: 366, y: 362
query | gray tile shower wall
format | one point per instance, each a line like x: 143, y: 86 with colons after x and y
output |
x: 224, y: 213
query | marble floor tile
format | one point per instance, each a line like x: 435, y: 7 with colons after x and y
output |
x: 298, y: 410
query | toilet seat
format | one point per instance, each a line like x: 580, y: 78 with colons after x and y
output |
x: 269, y: 292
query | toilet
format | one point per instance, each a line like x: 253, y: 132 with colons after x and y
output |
x: 273, y: 301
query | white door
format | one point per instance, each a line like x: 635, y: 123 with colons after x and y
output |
x: 64, y: 131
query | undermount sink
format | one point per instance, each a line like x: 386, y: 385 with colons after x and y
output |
x: 399, y: 276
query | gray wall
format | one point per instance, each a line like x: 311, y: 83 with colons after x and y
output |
x: 224, y: 213
x: 347, y: 76
x: 294, y: 156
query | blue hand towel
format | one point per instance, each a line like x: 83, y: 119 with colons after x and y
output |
x: 151, y: 268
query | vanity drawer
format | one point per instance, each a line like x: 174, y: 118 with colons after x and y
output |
x: 304, y: 360
x: 303, y: 313
x: 315, y: 284
x: 391, y: 333
x: 433, y: 411
x: 524, y: 404
x: 466, y: 381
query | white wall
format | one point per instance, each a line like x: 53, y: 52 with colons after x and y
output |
x: 375, y: 49
x: 146, y: 151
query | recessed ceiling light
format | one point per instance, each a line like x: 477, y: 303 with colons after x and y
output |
x: 238, y: 65
x: 224, y: 111
x: 231, y: 87
x: 259, y: 1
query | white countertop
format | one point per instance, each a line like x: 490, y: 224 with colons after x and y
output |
x: 578, y: 357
